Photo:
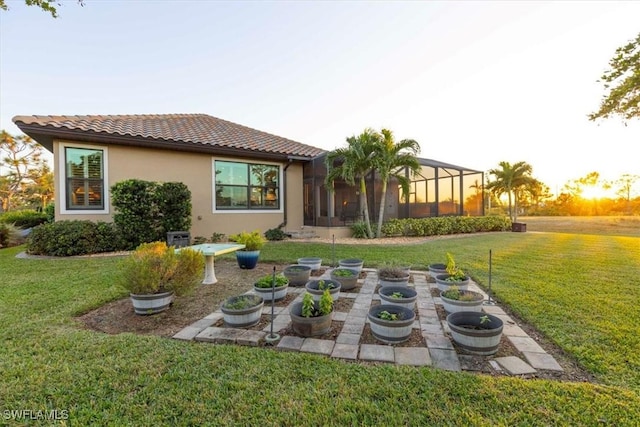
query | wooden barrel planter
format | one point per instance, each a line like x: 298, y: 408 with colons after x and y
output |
x: 347, y: 277
x: 144, y: 304
x: 242, y: 311
x: 393, y: 277
x: 437, y: 269
x: 309, y: 326
x: 267, y: 293
x: 474, y: 336
x: 352, y: 263
x: 314, y: 263
x: 444, y: 284
x: 391, y: 295
x: 467, y: 301
x: 297, y: 274
x: 391, y: 331
x: 313, y: 287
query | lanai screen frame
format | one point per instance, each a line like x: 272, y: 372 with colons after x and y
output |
x: 455, y: 190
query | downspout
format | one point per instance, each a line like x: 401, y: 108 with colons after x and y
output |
x: 284, y: 192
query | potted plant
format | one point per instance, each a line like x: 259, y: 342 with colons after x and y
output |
x: 253, y: 242
x: 352, y: 263
x: 310, y: 318
x: 391, y: 324
x: 436, y: 269
x: 242, y: 311
x: 154, y: 273
x: 476, y: 332
x: 317, y: 287
x: 398, y: 295
x: 454, y: 299
x: 297, y: 274
x: 393, y: 276
x: 265, y: 289
x: 454, y: 276
x: 313, y: 262
x: 347, y: 277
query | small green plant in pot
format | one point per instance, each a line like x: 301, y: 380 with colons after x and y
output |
x: 454, y: 299
x: 253, y: 241
x: 312, y: 318
x: 264, y: 287
x: 455, y: 276
x: 155, y: 271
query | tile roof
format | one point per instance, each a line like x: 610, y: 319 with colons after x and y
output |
x: 199, y: 129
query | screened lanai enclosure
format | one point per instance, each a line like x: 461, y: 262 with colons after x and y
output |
x: 438, y: 189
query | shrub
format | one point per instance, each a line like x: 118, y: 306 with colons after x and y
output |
x: 173, y: 200
x: 69, y: 238
x: 146, y: 211
x: 253, y: 241
x: 24, y: 218
x: 359, y: 230
x: 50, y: 211
x: 445, y: 225
x: 10, y: 236
x: 136, y: 211
x: 275, y: 234
x: 217, y: 237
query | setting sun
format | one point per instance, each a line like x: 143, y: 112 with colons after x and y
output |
x: 595, y: 192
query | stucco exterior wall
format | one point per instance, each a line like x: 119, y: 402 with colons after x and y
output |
x: 196, y: 171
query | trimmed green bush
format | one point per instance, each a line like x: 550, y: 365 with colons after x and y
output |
x: 359, y: 229
x: 275, y: 234
x: 24, y: 219
x: 50, y: 211
x: 145, y: 211
x: 4, y: 235
x: 69, y: 238
x: 444, y: 225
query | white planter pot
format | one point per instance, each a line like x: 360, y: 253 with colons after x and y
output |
x: 408, y: 299
x: 314, y: 263
x: 144, y: 304
x: 444, y: 284
x: 454, y: 306
x: 391, y: 331
x: 352, y: 263
x: 267, y: 293
x: 484, y: 342
x: 313, y: 288
x: 242, y: 317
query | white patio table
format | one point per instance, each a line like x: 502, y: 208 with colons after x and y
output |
x: 210, y: 250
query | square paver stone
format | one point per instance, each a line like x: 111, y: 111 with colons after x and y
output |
x: 290, y: 343
x: 345, y: 351
x: 315, y: 345
x: 219, y: 335
x: 542, y: 361
x: 252, y: 338
x: 514, y: 365
x: 188, y: 333
x: 439, y: 341
x: 444, y: 359
x: 415, y: 356
x: 377, y: 353
x: 347, y: 338
x: 526, y: 344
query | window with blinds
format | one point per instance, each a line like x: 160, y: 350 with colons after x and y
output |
x: 246, y: 186
x: 84, y: 178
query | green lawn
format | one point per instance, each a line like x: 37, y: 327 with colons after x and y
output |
x: 578, y: 289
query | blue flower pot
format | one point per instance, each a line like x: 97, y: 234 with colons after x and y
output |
x: 247, y: 259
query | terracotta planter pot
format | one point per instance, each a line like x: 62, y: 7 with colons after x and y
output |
x: 313, y: 288
x: 242, y: 317
x: 347, y: 282
x: 144, y: 304
x: 297, y: 274
x: 309, y: 326
x: 465, y: 331
x: 454, y: 306
x: 391, y: 331
x: 444, y: 284
x: 408, y: 300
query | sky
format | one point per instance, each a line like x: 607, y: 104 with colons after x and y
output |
x: 473, y: 82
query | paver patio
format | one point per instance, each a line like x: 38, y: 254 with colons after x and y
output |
x: 437, y: 349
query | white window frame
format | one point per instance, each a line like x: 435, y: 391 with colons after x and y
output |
x: 62, y: 179
x: 280, y: 209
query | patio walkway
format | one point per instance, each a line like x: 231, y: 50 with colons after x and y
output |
x: 437, y: 349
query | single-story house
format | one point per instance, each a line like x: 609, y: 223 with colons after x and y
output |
x: 240, y: 178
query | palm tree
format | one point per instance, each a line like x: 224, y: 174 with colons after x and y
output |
x: 352, y: 164
x: 510, y: 179
x: 390, y: 161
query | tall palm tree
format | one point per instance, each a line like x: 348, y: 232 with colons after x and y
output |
x: 353, y: 163
x: 390, y: 161
x: 509, y: 180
